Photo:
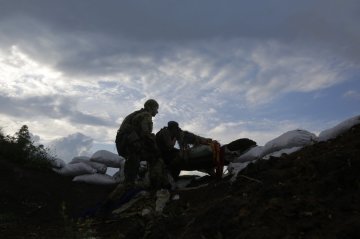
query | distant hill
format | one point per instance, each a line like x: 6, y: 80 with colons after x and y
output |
x: 312, y: 193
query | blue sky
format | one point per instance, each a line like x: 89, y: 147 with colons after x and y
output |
x: 72, y: 70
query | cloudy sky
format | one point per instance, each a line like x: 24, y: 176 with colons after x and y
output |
x: 73, y: 69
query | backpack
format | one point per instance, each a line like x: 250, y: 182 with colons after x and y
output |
x: 126, y: 129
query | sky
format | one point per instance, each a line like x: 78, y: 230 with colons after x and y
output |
x: 73, y: 69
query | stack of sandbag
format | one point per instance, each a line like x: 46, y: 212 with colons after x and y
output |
x: 288, y: 142
x: 96, y: 178
x: 100, y: 161
x: 75, y: 169
x: 339, y: 128
x: 99, y: 167
x: 291, y: 140
x: 108, y: 158
x: 92, y: 169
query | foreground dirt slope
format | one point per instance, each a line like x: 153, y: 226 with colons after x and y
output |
x: 314, y: 193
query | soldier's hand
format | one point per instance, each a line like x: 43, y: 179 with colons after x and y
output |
x: 206, y: 141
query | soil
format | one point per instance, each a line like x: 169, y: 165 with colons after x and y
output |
x: 313, y: 193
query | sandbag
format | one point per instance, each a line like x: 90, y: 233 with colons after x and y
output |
x: 79, y: 159
x: 96, y: 178
x: 57, y: 163
x: 107, y: 158
x: 339, y: 128
x: 75, y: 169
x: 235, y: 168
x: 279, y: 153
x: 99, y: 167
x: 252, y: 154
x: 293, y: 138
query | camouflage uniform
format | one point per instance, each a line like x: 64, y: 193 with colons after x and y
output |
x: 175, y: 158
x: 166, y: 140
x: 136, y: 142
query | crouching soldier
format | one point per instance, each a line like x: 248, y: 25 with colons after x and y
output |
x: 136, y: 142
x: 176, y: 159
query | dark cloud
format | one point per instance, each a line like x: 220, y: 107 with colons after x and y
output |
x: 94, y: 37
x: 56, y: 107
x: 170, y: 19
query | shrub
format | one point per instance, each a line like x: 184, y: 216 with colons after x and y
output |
x: 21, y: 149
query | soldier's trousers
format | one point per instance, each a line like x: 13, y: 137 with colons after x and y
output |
x: 157, y: 173
x: 131, y: 168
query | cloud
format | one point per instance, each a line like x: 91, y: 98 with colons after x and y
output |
x: 134, y: 38
x: 73, y: 145
x: 199, y: 85
x: 56, y: 107
x: 352, y: 94
x: 326, y: 23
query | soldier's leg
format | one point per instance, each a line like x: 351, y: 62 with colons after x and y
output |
x: 176, y: 166
x: 157, y: 173
x: 131, y: 168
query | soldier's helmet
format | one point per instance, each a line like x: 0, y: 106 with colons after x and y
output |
x: 173, y: 125
x: 151, y: 104
x: 174, y: 128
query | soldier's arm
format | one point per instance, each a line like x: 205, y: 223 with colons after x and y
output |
x: 202, y: 140
x: 169, y: 143
x: 190, y: 138
x: 147, y: 125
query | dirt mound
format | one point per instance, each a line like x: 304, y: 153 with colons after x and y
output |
x: 313, y: 193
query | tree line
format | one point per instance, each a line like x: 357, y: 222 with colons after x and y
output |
x: 21, y: 149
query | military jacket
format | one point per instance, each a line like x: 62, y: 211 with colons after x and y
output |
x: 164, y: 140
x: 143, y: 124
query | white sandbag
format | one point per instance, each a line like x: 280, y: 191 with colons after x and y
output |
x: 235, y: 168
x: 75, y: 169
x: 79, y: 159
x: 253, y: 154
x: 279, y: 153
x: 339, y: 129
x: 293, y: 138
x: 200, y: 151
x: 99, y: 167
x: 107, y: 158
x: 57, y: 163
x: 100, y: 179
